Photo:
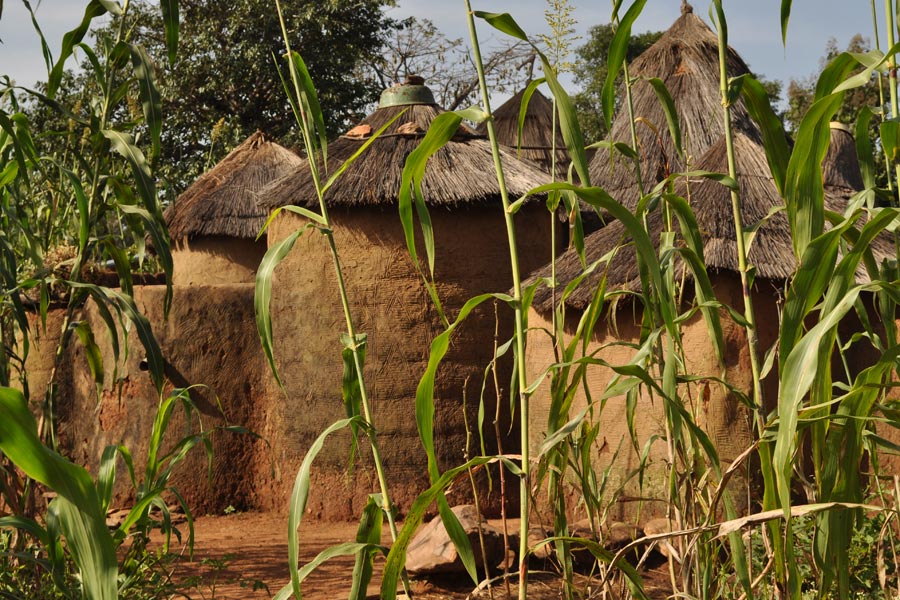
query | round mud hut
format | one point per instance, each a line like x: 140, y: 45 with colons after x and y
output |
x: 720, y: 412
x: 391, y: 305
x: 686, y: 59
x: 536, y: 140
x: 214, y: 223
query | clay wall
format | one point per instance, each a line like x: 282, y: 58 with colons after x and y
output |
x: 216, y: 260
x: 209, y: 338
x: 391, y: 305
x: 720, y: 413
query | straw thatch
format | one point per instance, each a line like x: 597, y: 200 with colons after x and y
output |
x: 536, y: 143
x: 686, y: 59
x: 771, y: 252
x: 840, y: 169
x: 460, y: 174
x: 222, y: 202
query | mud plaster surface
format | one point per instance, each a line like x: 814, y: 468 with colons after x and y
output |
x: 391, y: 305
x: 216, y: 260
x: 719, y: 412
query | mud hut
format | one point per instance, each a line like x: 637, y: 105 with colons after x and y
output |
x: 686, y: 59
x: 390, y: 303
x: 721, y: 413
x: 214, y: 223
x: 536, y: 142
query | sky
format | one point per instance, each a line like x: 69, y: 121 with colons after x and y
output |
x: 754, y: 28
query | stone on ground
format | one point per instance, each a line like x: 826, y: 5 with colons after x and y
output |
x: 431, y: 550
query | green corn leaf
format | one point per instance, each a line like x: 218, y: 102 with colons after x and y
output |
x: 345, y: 549
x: 785, y: 17
x: 309, y: 101
x: 616, y: 59
x: 123, y: 144
x: 693, y: 256
x: 396, y: 559
x: 299, y: 496
x: 865, y: 154
x: 800, y: 371
x: 458, y: 536
x: 263, y: 296
x: 106, y: 476
x: 756, y: 99
x: 149, y: 95
x: 890, y: 139
x: 94, y: 9
x: 369, y: 532
x: 80, y: 517
x: 665, y: 98
x: 425, y: 389
x: 441, y: 131
x: 91, y: 352
x: 170, y: 15
x: 804, y: 188
x: 84, y: 210
x: 568, y: 119
x: 503, y: 22
x: 530, y: 89
x: 346, y: 164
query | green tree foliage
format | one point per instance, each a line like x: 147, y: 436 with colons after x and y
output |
x: 224, y: 84
x: 800, y: 92
x: 590, y: 73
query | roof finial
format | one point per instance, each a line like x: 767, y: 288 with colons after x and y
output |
x: 686, y: 8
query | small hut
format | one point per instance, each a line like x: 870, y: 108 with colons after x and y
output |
x: 536, y: 141
x: 214, y: 223
x: 389, y: 301
x: 686, y: 59
x: 722, y: 414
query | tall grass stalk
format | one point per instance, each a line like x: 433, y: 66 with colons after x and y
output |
x: 759, y: 406
x: 522, y: 383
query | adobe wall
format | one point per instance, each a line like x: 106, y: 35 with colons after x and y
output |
x: 216, y: 260
x: 390, y: 304
x: 721, y: 414
x: 209, y: 338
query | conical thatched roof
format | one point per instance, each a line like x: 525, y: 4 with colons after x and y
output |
x: 686, y: 59
x: 461, y: 173
x: 537, y: 131
x: 771, y: 253
x: 222, y: 202
x: 840, y: 169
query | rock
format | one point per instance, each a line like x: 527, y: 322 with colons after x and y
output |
x: 535, y: 536
x: 618, y: 535
x: 431, y: 550
x: 661, y: 526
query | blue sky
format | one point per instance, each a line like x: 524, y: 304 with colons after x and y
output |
x: 753, y: 27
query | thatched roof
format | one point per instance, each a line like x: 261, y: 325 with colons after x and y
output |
x: 460, y: 174
x: 537, y: 131
x: 840, y: 169
x: 771, y: 253
x: 686, y: 59
x: 222, y: 202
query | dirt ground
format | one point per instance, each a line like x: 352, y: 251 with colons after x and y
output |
x: 235, y: 553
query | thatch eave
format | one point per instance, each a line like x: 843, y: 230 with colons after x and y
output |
x: 222, y: 201
x: 459, y: 174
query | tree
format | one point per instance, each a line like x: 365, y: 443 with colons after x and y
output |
x: 224, y: 84
x: 418, y: 47
x: 802, y: 91
x: 590, y: 74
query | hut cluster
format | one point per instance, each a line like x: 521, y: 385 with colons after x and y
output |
x: 211, y: 337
